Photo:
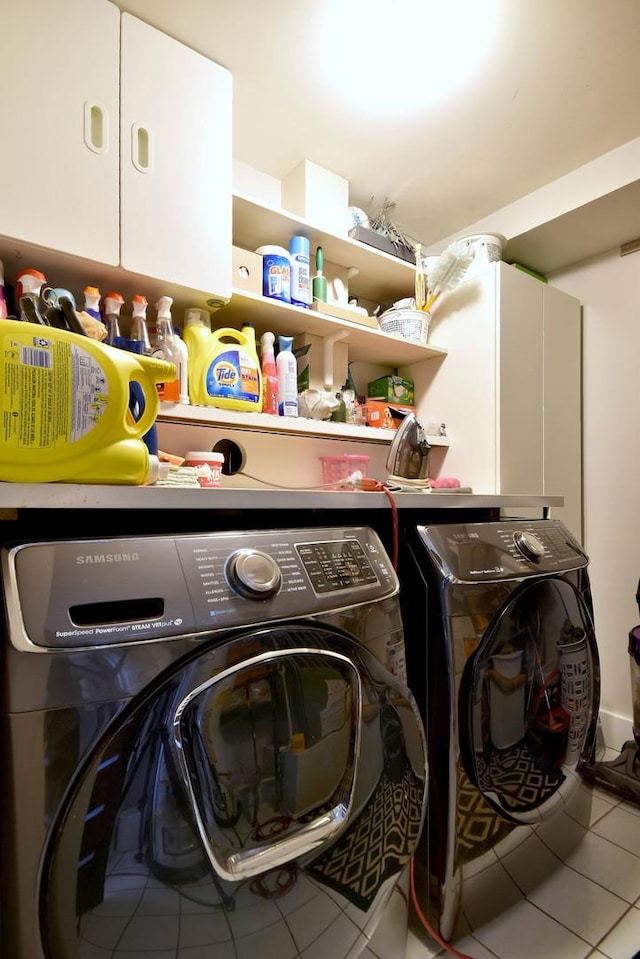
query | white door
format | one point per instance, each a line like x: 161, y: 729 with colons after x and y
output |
x: 59, y: 157
x: 175, y: 162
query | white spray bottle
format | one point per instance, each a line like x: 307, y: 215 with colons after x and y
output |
x: 287, y: 378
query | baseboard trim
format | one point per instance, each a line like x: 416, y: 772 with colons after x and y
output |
x: 615, y: 729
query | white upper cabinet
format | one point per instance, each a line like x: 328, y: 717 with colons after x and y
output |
x: 510, y: 391
x: 59, y: 161
x: 118, y: 144
x: 176, y: 164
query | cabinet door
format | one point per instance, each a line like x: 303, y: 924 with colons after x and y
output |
x: 520, y: 382
x: 176, y: 150
x: 563, y: 405
x: 462, y: 390
x: 60, y: 155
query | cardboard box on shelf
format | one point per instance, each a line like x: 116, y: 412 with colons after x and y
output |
x: 393, y: 389
x: 378, y: 414
x: 318, y: 196
x: 341, y: 312
x: 247, y: 270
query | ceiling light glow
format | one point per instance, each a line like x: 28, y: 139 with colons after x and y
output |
x: 398, y: 56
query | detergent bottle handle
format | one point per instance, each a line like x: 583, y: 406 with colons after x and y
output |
x: 146, y: 396
x: 230, y: 333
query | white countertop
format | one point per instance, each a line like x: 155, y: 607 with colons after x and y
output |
x: 86, y: 496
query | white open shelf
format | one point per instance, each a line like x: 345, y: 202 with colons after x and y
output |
x: 213, y: 416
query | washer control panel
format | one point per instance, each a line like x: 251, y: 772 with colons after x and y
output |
x: 506, y: 549
x: 78, y: 593
x: 253, y: 574
x: 336, y: 566
x: 529, y: 545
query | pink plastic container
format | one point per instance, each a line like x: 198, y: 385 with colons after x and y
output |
x: 337, y: 469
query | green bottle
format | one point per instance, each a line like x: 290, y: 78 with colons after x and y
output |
x: 319, y: 285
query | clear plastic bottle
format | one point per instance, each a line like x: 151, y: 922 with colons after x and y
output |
x: 139, y: 331
x: 113, y: 303
x: 167, y: 349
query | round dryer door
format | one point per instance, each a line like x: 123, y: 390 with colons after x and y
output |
x: 529, y: 698
x: 240, y: 805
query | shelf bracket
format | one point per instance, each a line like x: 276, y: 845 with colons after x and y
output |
x: 327, y: 356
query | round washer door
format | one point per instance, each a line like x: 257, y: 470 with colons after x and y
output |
x: 528, y: 701
x: 232, y: 807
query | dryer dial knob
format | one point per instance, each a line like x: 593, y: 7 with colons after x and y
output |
x: 529, y: 545
x: 253, y: 574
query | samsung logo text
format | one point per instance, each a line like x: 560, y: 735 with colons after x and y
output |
x: 99, y: 559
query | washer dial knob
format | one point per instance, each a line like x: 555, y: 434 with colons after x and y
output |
x: 253, y: 574
x: 529, y: 546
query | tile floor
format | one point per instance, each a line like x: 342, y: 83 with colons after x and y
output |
x: 529, y: 903
x: 585, y: 906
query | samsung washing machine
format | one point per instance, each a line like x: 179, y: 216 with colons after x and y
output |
x: 502, y: 659
x: 208, y: 746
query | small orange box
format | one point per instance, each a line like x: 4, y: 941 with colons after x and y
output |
x: 378, y: 414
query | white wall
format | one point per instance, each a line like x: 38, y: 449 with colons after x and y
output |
x: 609, y: 288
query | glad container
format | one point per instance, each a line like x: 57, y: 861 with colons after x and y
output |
x: 276, y: 272
x: 208, y: 466
x: 64, y: 408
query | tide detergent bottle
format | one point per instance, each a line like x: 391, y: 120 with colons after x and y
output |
x: 64, y: 403
x: 224, y: 369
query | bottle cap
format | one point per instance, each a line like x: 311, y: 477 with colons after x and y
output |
x: 139, y: 304
x: 163, y: 306
x: 196, y: 317
x: 299, y: 245
x: 113, y: 303
x: 29, y: 281
x: 153, y: 470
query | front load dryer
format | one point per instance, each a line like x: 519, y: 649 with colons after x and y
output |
x: 208, y: 746
x: 502, y: 659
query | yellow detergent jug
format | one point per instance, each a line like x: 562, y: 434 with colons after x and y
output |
x: 64, y: 408
x: 224, y: 369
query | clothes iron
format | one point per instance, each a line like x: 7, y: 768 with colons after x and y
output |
x: 408, y: 458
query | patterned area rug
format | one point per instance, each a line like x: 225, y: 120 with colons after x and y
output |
x: 517, y: 778
x: 522, y: 786
x: 378, y: 844
x: 478, y: 825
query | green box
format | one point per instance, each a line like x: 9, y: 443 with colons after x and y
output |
x: 392, y: 389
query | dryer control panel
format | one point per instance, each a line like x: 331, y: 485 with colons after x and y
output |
x: 506, y: 549
x: 78, y: 593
